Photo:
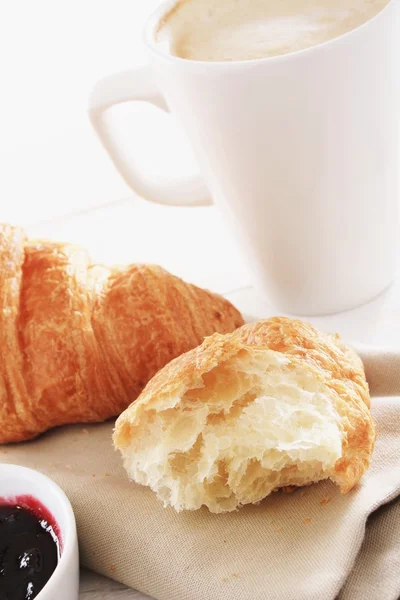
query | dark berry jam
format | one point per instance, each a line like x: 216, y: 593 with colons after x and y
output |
x: 29, y: 548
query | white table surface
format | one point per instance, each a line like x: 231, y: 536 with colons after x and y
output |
x: 56, y: 180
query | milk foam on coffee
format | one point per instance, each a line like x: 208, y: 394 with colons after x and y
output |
x: 228, y: 30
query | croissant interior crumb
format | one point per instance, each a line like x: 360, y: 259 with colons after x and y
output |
x: 256, y: 424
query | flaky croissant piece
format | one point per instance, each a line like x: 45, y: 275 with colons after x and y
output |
x: 272, y: 405
x: 78, y: 342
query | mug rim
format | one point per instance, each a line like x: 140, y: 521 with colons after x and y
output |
x: 154, y: 20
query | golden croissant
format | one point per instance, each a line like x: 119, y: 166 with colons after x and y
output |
x: 272, y: 405
x: 78, y: 341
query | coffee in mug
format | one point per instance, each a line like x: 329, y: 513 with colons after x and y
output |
x: 232, y: 30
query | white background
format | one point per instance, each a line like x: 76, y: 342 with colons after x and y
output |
x: 51, y: 53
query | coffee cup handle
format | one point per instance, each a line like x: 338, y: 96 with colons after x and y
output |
x: 137, y: 85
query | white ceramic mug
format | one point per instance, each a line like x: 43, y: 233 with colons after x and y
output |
x: 300, y: 152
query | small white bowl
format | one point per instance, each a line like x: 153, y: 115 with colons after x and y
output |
x: 18, y: 481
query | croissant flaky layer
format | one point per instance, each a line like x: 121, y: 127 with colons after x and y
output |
x: 78, y: 342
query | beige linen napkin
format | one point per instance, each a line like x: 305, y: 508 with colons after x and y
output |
x: 376, y: 574
x: 302, y: 546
